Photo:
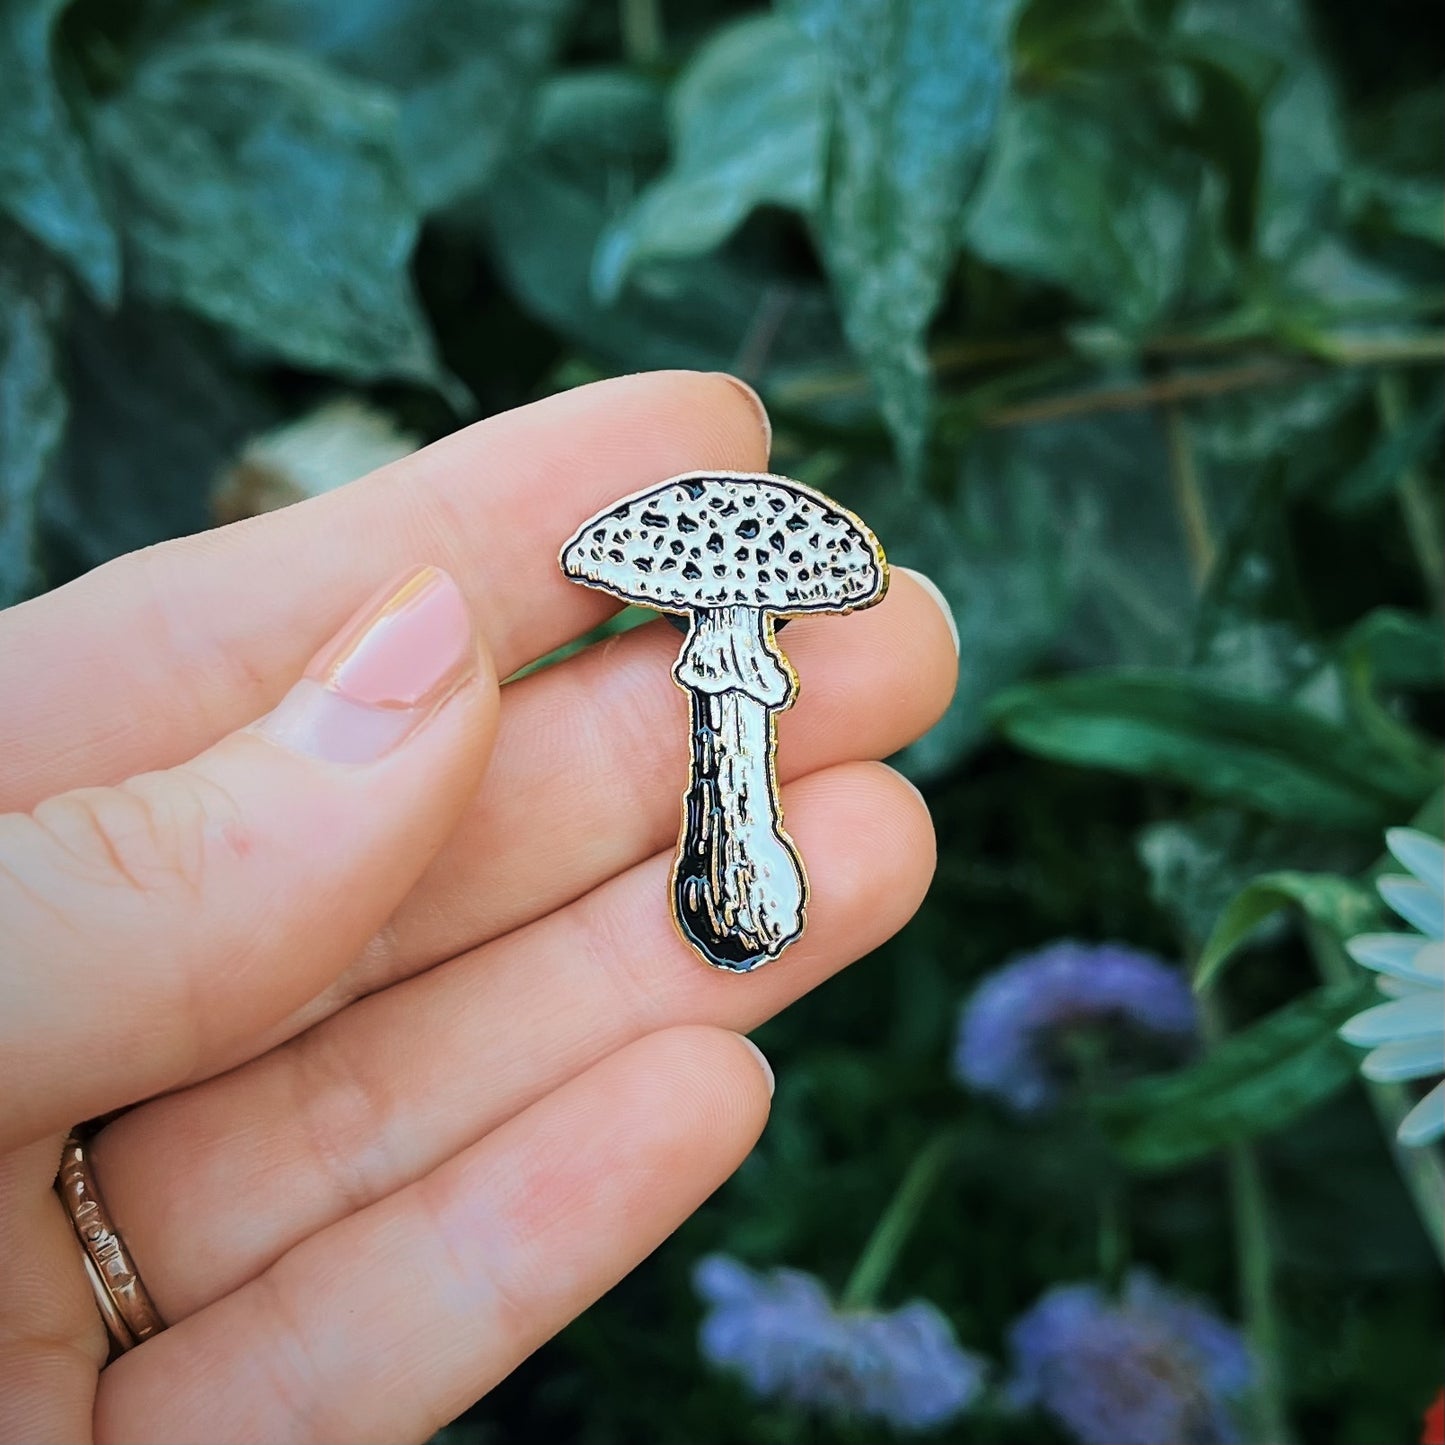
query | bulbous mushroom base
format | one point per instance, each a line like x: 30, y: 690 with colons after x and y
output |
x: 739, y: 890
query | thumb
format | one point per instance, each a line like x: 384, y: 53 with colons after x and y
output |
x: 151, y: 929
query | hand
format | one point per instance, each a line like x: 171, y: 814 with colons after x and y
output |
x: 426, y: 1067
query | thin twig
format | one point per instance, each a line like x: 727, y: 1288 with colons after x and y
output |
x: 1329, y: 349
x: 1188, y: 496
x: 1191, y: 385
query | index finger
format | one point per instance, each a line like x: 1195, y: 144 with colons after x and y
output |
x: 155, y: 655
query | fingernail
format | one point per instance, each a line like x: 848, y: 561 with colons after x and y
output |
x: 932, y: 588
x: 763, y: 1063
x: 756, y: 402
x: 388, y: 669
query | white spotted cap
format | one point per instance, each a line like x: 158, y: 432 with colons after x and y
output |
x: 730, y: 539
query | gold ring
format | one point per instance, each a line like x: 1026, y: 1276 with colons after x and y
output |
x: 128, y: 1312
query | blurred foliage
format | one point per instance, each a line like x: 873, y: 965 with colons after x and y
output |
x: 1121, y: 318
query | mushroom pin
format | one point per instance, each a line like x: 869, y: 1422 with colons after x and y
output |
x: 732, y: 552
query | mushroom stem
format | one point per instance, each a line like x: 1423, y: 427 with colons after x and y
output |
x: 738, y: 883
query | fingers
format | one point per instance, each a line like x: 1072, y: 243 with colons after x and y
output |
x: 211, y: 1185
x: 153, y: 924
x: 52, y: 1341
x: 590, y: 762
x: 208, y: 624
x: 390, y: 1323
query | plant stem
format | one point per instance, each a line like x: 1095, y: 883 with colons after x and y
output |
x: 1218, y: 382
x: 1256, y: 1288
x: 1114, y: 1244
x: 1421, y: 1170
x: 1254, y: 1262
x: 1422, y: 524
x: 1111, y: 1199
x: 896, y: 1222
x: 1188, y: 497
x: 1285, y: 362
x: 641, y: 25
x: 1255, y: 1265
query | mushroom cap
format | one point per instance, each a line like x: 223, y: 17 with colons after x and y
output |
x: 730, y: 539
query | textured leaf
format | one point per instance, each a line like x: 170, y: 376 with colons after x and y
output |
x: 1118, y: 547
x: 747, y: 127
x: 914, y: 88
x: 594, y: 136
x: 1339, y: 905
x: 48, y: 181
x: 263, y: 192
x: 1269, y: 46
x: 1252, y: 634
x: 1255, y: 1082
x: 158, y: 412
x: 1079, y: 195
x: 463, y: 70
x: 1272, y: 756
x: 992, y: 552
x: 1056, y: 541
x: 32, y: 403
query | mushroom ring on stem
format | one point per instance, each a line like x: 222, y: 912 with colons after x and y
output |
x: 732, y: 552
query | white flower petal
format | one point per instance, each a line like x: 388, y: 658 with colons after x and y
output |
x: 1430, y: 962
x: 1405, y: 955
x: 1405, y: 987
x: 1415, y: 902
x: 1423, y: 855
x: 1426, y: 1121
x: 1417, y: 1015
x: 1408, y: 1059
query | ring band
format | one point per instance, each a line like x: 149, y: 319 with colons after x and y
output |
x: 129, y: 1314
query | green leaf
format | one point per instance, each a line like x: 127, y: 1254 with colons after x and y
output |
x: 993, y: 551
x: 464, y: 71
x: 1269, y: 47
x: 747, y: 127
x: 32, y: 402
x: 1198, y: 865
x: 48, y: 180
x: 914, y: 88
x: 158, y: 411
x: 1341, y: 906
x: 1399, y: 649
x: 1054, y: 542
x: 1251, y: 627
x: 1394, y: 185
x: 1080, y: 195
x: 595, y: 136
x: 265, y: 193
x: 1395, y: 451
x: 1272, y: 756
x: 1254, y: 1083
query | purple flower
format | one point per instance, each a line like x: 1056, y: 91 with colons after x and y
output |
x: 1011, y: 1032
x: 1149, y: 1368
x: 787, y: 1339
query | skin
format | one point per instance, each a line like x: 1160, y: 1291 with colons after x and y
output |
x: 427, y: 1067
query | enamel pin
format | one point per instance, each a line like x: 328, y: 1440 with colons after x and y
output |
x: 732, y: 552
